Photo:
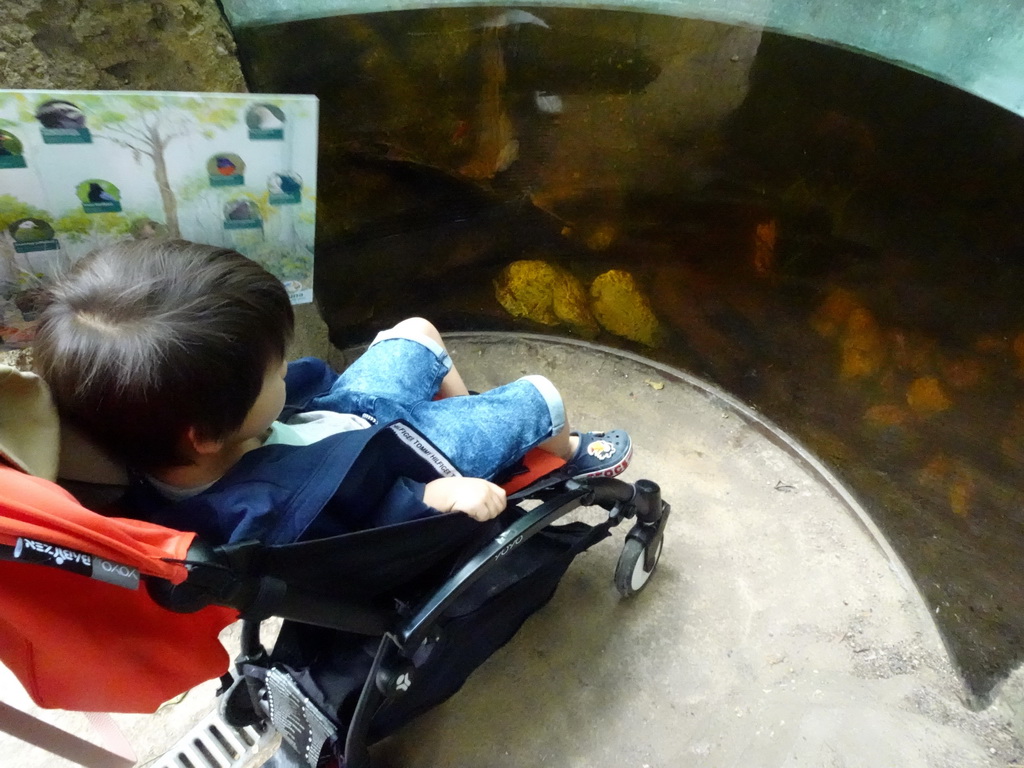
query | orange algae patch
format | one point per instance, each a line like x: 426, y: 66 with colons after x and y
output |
x: 961, y: 495
x: 886, y: 416
x: 766, y: 234
x: 863, y: 347
x: 1018, y: 350
x: 926, y: 396
x: 830, y: 318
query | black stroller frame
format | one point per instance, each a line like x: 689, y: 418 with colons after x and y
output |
x: 262, y: 692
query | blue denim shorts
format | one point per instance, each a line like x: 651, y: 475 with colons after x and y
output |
x: 398, y: 377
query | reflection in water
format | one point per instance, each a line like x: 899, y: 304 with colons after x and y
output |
x: 835, y: 240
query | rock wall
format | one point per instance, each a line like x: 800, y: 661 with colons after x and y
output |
x: 171, y: 45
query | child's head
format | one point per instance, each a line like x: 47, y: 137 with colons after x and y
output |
x: 144, y: 341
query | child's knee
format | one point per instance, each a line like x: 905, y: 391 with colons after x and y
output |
x: 418, y: 326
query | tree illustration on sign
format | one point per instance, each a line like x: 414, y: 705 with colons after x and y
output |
x: 147, y: 125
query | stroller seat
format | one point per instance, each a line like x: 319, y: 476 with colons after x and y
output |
x: 380, y: 624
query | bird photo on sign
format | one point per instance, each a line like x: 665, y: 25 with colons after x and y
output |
x: 226, y: 169
x: 11, y: 151
x: 242, y: 214
x: 31, y: 234
x: 62, y: 122
x: 99, y: 196
x: 285, y: 188
x: 265, y: 121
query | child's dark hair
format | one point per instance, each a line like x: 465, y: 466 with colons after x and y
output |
x: 142, y: 340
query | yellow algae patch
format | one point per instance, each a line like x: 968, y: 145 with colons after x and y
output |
x: 526, y: 289
x: 621, y: 308
x: 863, y: 347
x: 926, y: 396
x: 830, y: 318
x: 569, y: 303
x: 546, y: 294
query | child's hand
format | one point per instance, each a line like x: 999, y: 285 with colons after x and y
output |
x: 477, y: 498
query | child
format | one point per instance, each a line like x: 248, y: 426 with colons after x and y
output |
x: 170, y: 355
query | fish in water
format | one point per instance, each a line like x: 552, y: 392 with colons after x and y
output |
x: 513, y: 17
x: 537, y: 57
x: 99, y: 195
x: 496, y: 147
x: 521, y: 56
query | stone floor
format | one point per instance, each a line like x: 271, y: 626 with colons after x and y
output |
x: 779, y: 630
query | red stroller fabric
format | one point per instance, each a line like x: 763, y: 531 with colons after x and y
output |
x: 78, y: 643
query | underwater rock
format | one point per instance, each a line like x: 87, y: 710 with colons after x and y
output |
x: 863, y: 348
x: 538, y: 291
x: 621, y: 308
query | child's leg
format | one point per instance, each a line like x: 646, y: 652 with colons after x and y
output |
x: 564, y: 444
x: 405, y: 365
x: 487, y: 433
x: 452, y: 385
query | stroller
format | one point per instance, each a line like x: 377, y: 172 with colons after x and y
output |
x: 379, y: 625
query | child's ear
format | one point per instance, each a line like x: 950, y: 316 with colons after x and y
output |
x: 203, y: 446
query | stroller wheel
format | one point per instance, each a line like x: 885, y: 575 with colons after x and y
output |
x: 631, y: 574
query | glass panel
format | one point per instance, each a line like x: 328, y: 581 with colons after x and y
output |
x: 977, y: 46
x: 835, y: 239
